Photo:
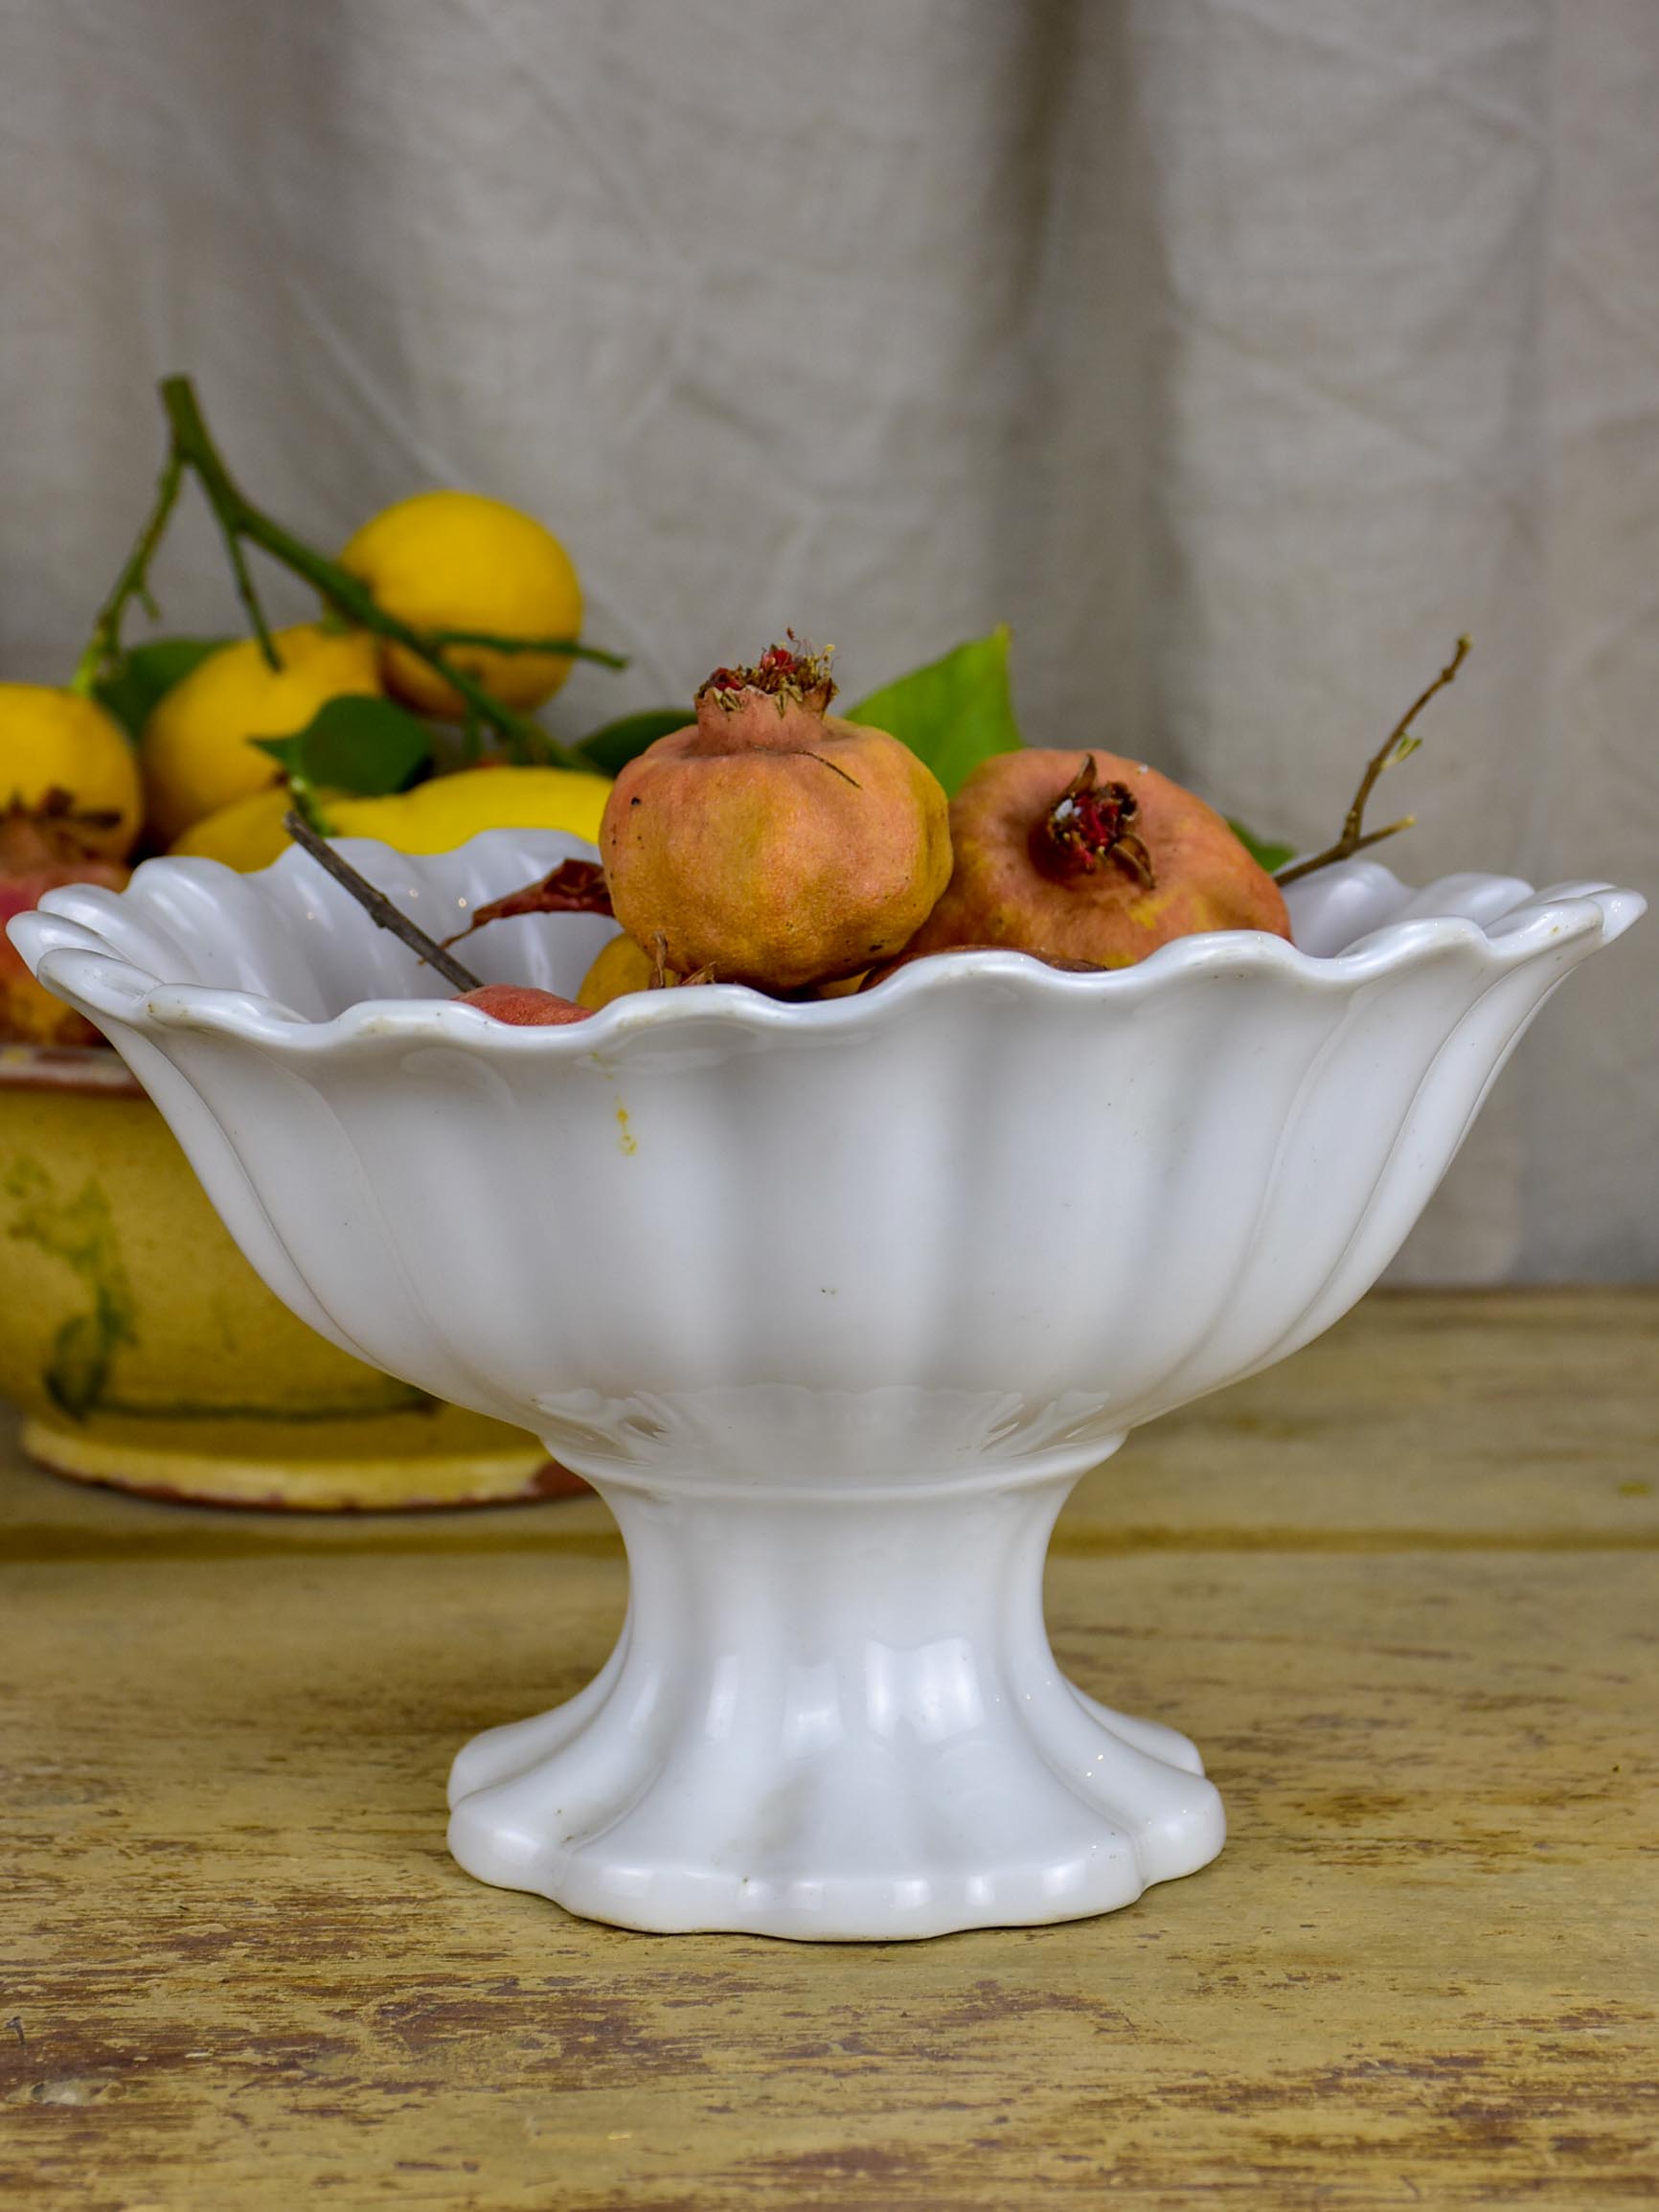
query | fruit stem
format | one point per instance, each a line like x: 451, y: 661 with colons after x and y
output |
x: 573, y: 646
x: 191, y: 449
x: 1399, y: 745
x: 103, y: 647
x: 379, y: 909
x: 239, y: 517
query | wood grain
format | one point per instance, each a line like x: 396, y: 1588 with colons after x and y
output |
x: 1421, y: 1655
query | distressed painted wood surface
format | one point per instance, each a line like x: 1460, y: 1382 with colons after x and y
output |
x: 1416, y: 1572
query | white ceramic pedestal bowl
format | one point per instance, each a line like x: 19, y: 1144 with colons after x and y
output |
x: 832, y: 1304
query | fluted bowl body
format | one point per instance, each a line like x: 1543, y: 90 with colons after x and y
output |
x: 987, y: 1212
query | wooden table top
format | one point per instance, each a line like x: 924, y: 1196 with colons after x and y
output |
x: 1420, y: 1654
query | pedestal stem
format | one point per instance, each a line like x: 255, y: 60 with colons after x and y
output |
x: 833, y: 1713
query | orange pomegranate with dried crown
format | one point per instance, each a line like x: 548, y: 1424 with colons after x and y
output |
x: 1089, y: 857
x: 771, y: 843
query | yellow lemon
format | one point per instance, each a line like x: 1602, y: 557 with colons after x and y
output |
x: 456, y: 560
x: 434, y: 818
x: 54, y: 740
x: 622, y: 967
x: 247, y: 835
x: 194, y: 751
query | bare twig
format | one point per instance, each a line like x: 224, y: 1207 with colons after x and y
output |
x: 379, y: 909
x: 1399, y: 745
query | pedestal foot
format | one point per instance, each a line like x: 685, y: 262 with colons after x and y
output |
x: 833, y: 1718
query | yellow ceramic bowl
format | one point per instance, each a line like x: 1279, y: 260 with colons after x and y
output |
x: 145, y: 1352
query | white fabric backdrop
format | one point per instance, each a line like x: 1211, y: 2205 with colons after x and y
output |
x: 1241, y: 353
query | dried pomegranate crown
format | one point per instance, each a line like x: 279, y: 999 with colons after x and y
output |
x: 794, y: 675
x: 1088, y: 822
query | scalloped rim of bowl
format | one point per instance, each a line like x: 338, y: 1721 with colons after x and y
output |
x: 69, y: 942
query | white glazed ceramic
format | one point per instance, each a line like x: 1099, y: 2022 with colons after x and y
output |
x: 832, y: 1304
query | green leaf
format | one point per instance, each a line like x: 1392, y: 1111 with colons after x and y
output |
x: 1262, y: 850
x: 610, y: 748
x: 145, y: 672
x: 954, y: 713
x: 357, y: 743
